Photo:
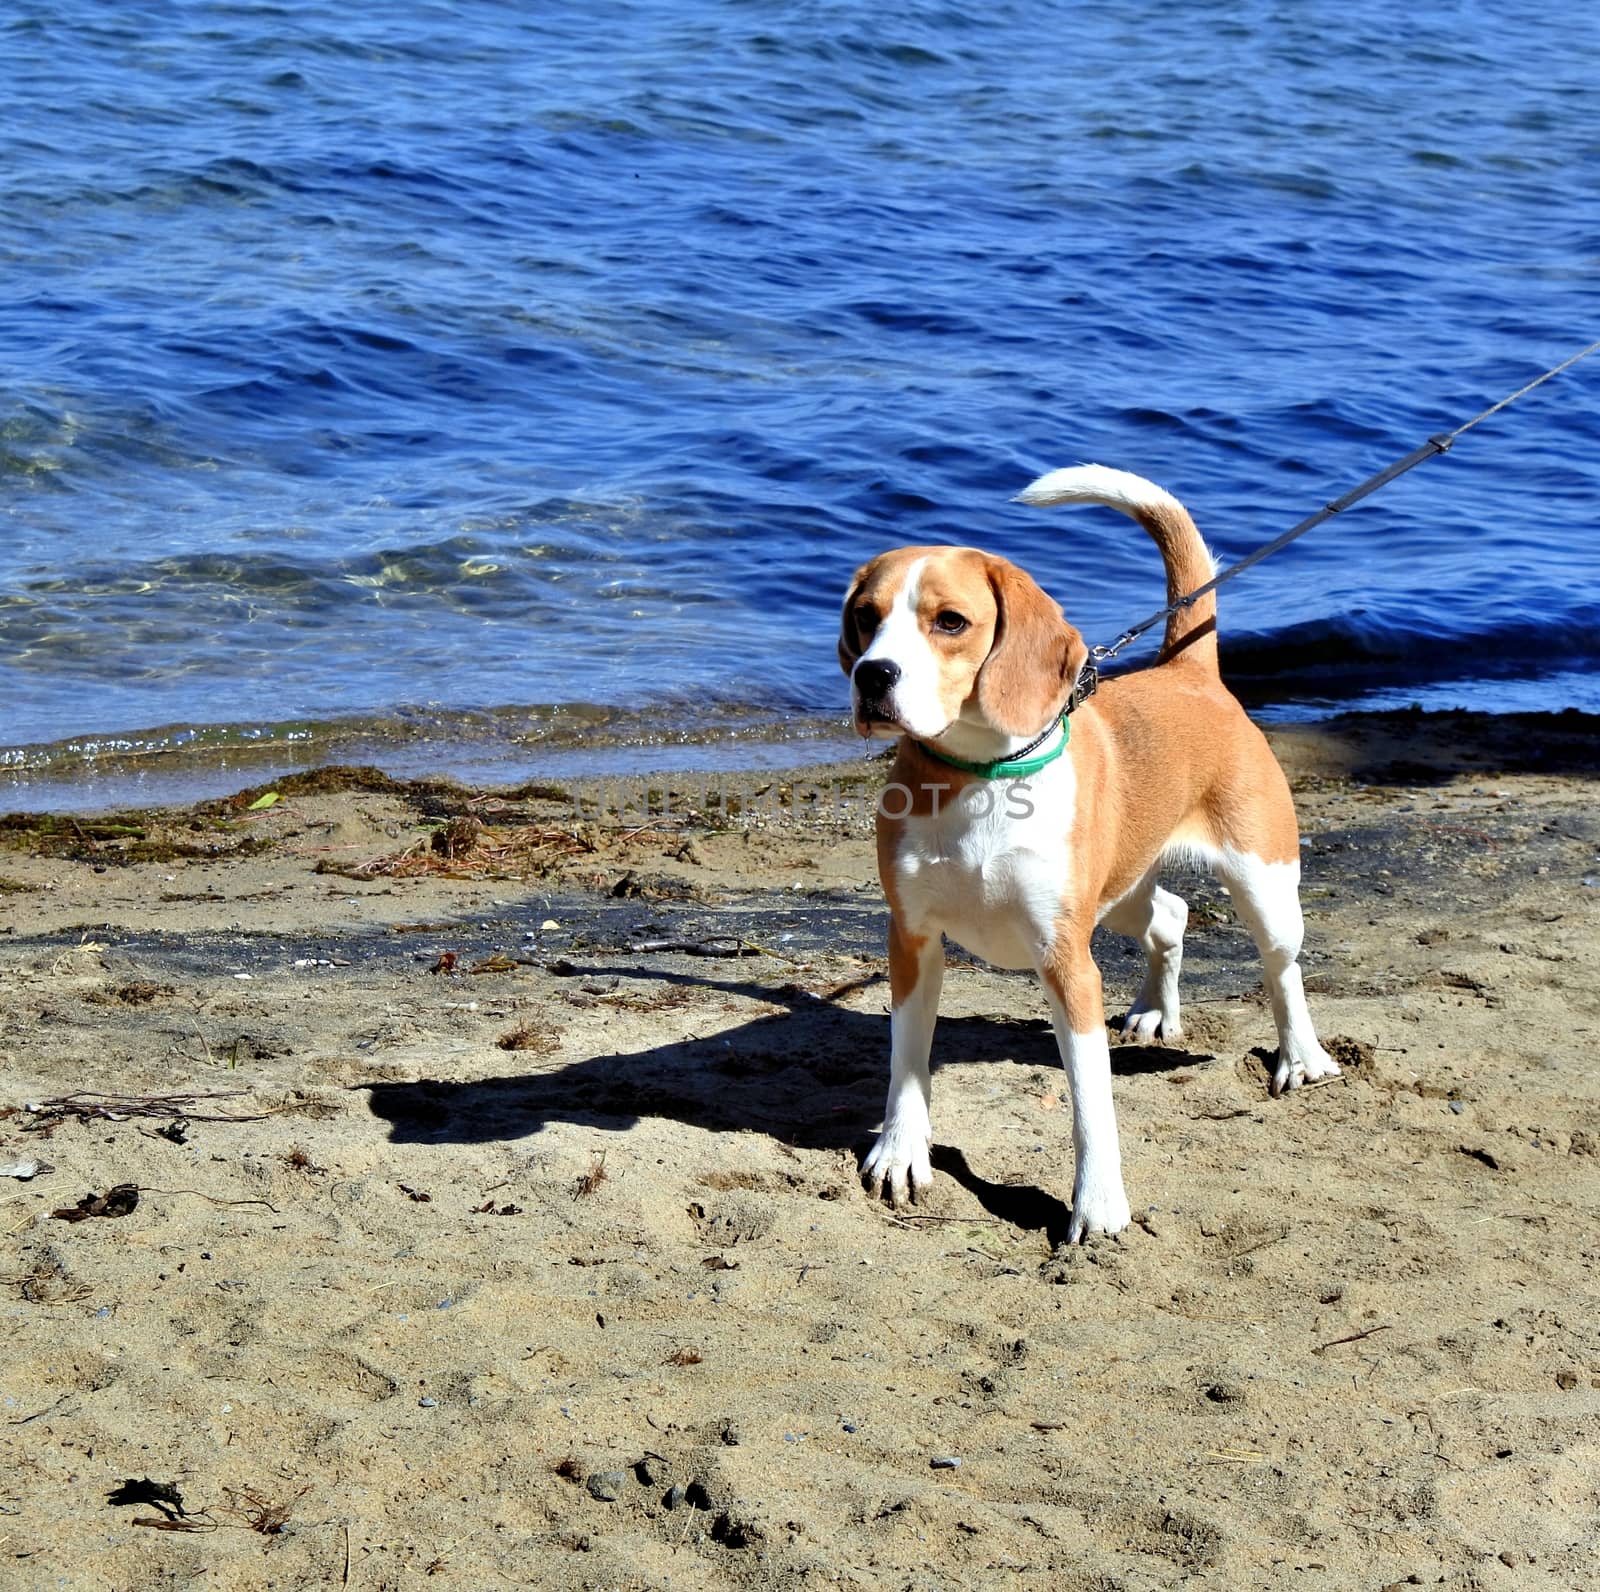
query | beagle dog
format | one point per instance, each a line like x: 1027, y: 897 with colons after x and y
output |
x: 1018, y: 816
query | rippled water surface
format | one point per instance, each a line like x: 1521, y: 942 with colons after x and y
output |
x: 538, y: 367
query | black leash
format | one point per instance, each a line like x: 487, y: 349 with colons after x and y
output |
x: 1434, y: 445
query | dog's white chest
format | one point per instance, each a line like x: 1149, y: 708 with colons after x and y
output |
x: 992, y: 880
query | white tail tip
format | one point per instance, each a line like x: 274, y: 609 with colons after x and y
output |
x: 1094, y: 483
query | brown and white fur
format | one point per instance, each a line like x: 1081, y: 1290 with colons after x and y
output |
x: 959, y: 649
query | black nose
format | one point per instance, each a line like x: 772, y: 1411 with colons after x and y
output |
x: 875, y: 677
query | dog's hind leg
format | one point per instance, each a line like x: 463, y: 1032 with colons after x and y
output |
x: 1156, y: 918
x: 1266, y: 895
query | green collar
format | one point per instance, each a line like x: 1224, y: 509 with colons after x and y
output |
x: 1009, y: 767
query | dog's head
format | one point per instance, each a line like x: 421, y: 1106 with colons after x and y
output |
x: 933, y: 636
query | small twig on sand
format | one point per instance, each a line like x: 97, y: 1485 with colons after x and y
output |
x: 714, y: 945
x: 903, y: 1218
x: 594, y: 1177
x: 1260, y: 1243
x: 49, y: 1409
x: 146, y: 1189
x: 655, y: 823
x: 1355, y: 1337
x: 89, y: 1104
x: 259, y: 1513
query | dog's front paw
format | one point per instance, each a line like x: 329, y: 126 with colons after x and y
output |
x: 900, y: 1159
x: 1299, y: 1066
x: 1099, y: 1205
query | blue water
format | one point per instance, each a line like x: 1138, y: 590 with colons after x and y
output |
x: 555, y: 365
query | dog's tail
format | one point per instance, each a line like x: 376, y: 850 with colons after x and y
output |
x: 1191, y: 631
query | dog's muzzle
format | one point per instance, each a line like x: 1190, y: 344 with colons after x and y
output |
x: 874, y: 681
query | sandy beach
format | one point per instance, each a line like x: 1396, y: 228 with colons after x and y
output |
x: 460, y: 1189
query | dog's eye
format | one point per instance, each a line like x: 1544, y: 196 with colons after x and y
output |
x: 866, y: 620
x: 949, y: 622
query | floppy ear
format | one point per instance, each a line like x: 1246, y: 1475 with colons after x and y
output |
x: 850, y: 648
x: 1035, y: 657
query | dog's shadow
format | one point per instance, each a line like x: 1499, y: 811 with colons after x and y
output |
x: 811, y: 1075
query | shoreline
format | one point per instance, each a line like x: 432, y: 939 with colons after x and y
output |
x: 186, y: 763
x: 497, y: 1200
x: 176, y: 764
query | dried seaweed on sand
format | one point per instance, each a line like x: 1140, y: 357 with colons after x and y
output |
x: 467, y: 848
